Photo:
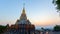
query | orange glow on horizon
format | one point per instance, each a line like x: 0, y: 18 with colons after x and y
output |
x: 46, y: 22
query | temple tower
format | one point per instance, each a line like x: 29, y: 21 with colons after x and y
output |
x: 23, y: 18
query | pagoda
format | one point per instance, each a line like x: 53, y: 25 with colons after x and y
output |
x: 22, y: 26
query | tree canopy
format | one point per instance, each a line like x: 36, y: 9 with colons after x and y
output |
x: 57, y: 4
x: 57, y: 28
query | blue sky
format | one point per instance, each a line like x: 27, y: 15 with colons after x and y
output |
x: 39, y: 12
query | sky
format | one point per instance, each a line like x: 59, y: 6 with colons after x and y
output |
x: 39, y: 12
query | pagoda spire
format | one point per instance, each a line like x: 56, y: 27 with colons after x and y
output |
x: 23, y: 11
x: 23, y: 15
x: 23, y: 18
x: 23, y: 8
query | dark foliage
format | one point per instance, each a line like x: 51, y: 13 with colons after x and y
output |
x: 2, y: 28
x: 57, y: 4
x: 57, y: 28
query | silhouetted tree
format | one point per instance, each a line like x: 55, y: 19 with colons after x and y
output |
x: 57, y: 28
x: 2, y: 28
x: 57, y: 4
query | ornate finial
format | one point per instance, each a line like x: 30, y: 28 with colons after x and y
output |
x: 23, y: 4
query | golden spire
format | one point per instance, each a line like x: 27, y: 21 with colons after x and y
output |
x: 23, y: 15
x: 23, y: 11
x: 23, y: 8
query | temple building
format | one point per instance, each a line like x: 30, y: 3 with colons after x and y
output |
x: 22, y: 26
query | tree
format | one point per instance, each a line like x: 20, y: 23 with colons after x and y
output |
x: 57, y: 28
x: 57, y: 4
x: 2, y: 28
